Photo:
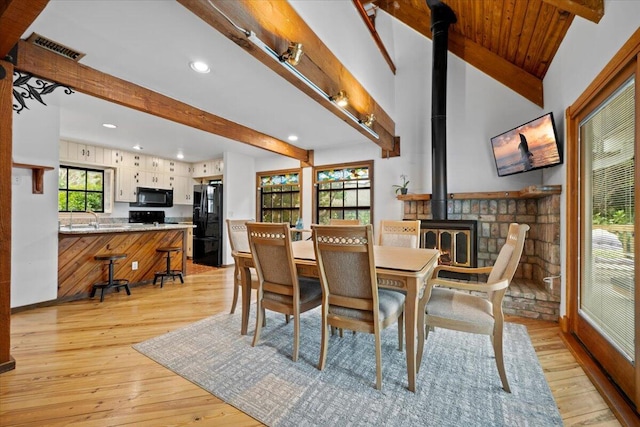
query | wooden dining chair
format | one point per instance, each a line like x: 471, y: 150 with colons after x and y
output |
x: 350, y: 295
x: 337, y: 221
x: 449, y: 304
x: 399, y: 233
x: 239, y: 242
x: 280, y: 289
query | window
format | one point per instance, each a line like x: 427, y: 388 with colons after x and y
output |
x: 279, y: 196
x: 344, y: 192
x: 80, y: 189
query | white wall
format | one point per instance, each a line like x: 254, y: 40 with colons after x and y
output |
x: 34, y: 224
x: 239, y: 201
x: 585, y: 51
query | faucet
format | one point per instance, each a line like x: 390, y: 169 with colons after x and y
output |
x: 89, y: 211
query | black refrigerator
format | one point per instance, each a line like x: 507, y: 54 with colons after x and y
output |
x: 207, y: 217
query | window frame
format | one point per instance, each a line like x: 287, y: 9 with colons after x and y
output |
x: 103, y: 192
x: 360, y: 164
x: 259, y: 192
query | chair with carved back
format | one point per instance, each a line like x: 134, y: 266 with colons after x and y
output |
x: 449, y: 304
x: 399, y: 233
x: 280, y: 289
x: 239, y: 242
x: 350, y: 295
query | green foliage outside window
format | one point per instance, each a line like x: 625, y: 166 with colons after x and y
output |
x: 343, y: 193
x: 80, y: 189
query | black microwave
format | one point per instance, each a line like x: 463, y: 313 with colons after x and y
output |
x: 153, y: 198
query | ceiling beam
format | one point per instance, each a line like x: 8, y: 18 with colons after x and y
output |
x: 51, y: 66
x: 15, y: 17
x: 277, y: 24
x: 593, y: 10
x: 418, y: 16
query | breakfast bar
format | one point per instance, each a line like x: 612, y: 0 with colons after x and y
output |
x: 78, y: 245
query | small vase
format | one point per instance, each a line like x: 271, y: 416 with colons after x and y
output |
x: 403, y: 190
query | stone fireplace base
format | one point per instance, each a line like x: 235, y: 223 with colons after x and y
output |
x: 529, y: 294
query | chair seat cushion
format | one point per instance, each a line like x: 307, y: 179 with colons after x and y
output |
x: 310, y: 290
x: 389, y: 303
x: 447, y: 303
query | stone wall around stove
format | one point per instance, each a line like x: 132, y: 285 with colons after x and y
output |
x: 541, y: 254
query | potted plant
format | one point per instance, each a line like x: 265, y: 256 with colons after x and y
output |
x: 402, y: 189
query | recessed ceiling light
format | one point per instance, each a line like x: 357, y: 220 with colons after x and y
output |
x: 180, y: 156
x: 199, y: 67
x: 292, y: 137
x: 137, y: 147
x: 109, y: 125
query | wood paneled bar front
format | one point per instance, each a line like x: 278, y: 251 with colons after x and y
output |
x: 77, y: 247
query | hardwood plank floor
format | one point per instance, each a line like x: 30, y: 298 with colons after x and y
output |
x: 75, y: 364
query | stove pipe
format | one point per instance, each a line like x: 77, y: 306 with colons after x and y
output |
x: 441, y: 17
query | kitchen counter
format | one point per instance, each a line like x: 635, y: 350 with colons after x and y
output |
x: 77, y: 247
x: 120, y: 228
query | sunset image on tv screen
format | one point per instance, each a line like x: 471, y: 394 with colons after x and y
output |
x: 530, y: 146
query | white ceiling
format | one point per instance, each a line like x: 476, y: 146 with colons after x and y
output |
x: 151, y: 43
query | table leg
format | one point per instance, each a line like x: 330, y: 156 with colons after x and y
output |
x: 245, y: 279
x: 411, y: 317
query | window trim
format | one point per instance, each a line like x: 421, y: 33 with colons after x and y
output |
x: 85, y: 169
x: 259, y: 175
x: 314, y: 193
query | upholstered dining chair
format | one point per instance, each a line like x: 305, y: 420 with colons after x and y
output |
x: 337, y: 221
x: 449, y: 304
x: 280, y: 289
x: 350, y: 295
x: 399, y: 233
x: 239, y: 242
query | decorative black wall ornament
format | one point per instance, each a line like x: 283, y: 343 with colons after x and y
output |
x: 23, y: 90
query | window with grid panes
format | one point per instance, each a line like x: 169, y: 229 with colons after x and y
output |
x: 80, y: 189
x: 344, y: 192
x: 279, y: 196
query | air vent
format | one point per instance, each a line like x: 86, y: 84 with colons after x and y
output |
x: 56, y: 47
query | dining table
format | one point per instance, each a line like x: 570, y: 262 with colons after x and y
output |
x: 398, y: 268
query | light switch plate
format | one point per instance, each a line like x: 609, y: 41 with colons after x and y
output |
x: 134, y: 265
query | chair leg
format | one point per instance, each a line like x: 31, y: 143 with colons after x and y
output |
x: 296, y: 334
x: 324, y: 341
x: 126, y: 288
x: 378, y: 361
x: 497, y: 349
x: 260, y: 317
x: 401, y: 331
x: 236, y: 291
x: 422, y: 336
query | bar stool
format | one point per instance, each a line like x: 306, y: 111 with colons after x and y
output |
x: 111, y: 282
x: 169, y: 272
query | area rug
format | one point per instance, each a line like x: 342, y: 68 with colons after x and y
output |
x: 458, y: 383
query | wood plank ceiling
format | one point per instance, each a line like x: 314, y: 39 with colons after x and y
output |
x: 513, y: 41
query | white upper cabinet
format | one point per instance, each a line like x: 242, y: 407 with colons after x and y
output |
x: 81, y: 153
x: 209, y: 168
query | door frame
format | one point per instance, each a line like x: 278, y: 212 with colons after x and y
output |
x: 624, y: 63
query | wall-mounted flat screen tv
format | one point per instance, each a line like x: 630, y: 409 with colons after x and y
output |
x: 533, y: 145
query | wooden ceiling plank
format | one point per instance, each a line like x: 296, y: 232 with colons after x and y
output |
x: 517, y: 24
x: 528, y: 28
x: 505, y: 26
x: 542, y: 33
x: 553, y: 43
x: 495, y: 10
x: 15, y: 17
x: 276, y: 24
x: 51, y: 66
x: 593, y: 10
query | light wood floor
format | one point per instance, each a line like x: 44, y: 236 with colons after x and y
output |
x: 75, y: 364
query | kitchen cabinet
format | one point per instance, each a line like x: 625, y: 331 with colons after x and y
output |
x: 182, y: 189
x: 127, y: 182
x: 208, y: 168
x: 154, y: 164
x: 154, y: 180
x: 81, y: 153
x: 174, y: 167
x: 189, y: 242
x: 121, y: 158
